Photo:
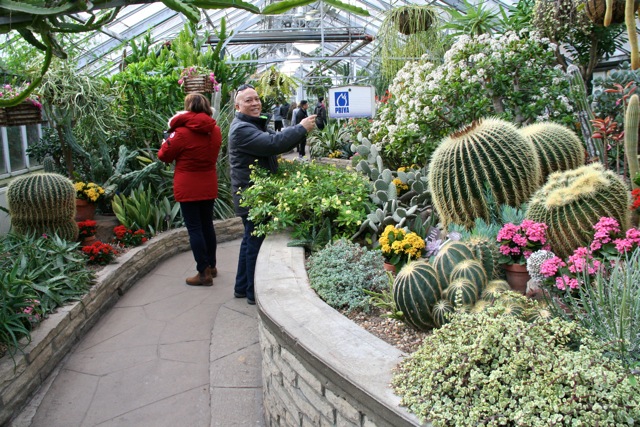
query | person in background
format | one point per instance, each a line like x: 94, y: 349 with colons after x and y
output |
x: 277, y: 118
x: 299, y: 116
x: 321, y: 113
x: 294, y: 114
x: 284, y: 111
x: 252, y: 143
x: 194, y: 142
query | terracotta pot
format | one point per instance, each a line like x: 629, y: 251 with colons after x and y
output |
x: 88, y: 241
x: 389, y: 267
x: 517, y: 277
x: 85, y: 210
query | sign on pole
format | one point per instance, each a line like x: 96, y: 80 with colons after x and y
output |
x: 347, y: 102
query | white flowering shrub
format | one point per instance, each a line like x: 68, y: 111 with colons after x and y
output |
x: 513, y: 76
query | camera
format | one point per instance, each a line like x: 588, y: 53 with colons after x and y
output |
x: 165, y: 135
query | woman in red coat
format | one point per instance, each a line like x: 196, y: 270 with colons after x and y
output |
x: 194, y: 143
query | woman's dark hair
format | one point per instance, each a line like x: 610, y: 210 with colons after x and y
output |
x: 197, y: 103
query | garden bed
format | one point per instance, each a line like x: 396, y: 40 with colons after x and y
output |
x: 317, y: 365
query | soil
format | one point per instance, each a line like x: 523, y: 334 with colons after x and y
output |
x: 392, y: 331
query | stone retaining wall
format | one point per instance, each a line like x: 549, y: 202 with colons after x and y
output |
x: 318, y: 367
x: 53, y: 338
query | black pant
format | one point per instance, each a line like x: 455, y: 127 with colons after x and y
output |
x: 277, y: 125
x: 249, y: 249
x: 301, y: 147
x: 198, y: 218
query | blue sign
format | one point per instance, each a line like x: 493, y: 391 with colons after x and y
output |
x: 341, y: 102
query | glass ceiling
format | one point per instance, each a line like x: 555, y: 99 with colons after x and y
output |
x: 297, y: 39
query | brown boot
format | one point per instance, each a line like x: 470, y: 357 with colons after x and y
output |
x: 213, y: 272
x: 200, y: 279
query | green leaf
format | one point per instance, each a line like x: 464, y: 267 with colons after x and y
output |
x: 283, y: 6
x: 347, y: 7
x: 223, y: 4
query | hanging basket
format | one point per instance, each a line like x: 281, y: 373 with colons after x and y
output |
x: 414, y: 21
x: 199, y: 83
x: 22, y: 114
x: 596, y: 9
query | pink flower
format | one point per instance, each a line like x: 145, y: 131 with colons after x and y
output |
x: 633, y: 235
x: 623, y: 245
x: 507, y: 232
x: 181, y: 81
x: 550, y: 267
x: 564, y: 281
x: 7, y: 87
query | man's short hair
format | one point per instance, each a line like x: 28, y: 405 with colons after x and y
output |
x: 320, y: 98
x: 303, y: 102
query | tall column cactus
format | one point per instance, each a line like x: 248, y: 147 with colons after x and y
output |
x: 584, y: 111
x: 558, y: 147
x: 571, y: 202
x: 491, y: 154
x: 631, y: 122
x: 43, y: 204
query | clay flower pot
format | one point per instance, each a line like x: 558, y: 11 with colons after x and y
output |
x: 85, y: 210
x: 517, y: 277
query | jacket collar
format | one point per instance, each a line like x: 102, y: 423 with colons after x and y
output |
x: 261, y: 121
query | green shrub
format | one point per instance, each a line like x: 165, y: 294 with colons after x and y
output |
x: 303, y: 196
x: 490, y: 369
x: 341, y: 272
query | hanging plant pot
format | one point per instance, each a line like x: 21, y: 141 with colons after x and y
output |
x: 199, y: 83
x: 25, y: 113
x: 596, y: 9
x: 411, y: 21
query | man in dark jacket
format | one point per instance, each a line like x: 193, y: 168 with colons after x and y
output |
x: 250, y: 142
x: 302, y: 114
x: 321, y: 113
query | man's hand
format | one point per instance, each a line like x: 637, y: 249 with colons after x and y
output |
x: 309, y: 123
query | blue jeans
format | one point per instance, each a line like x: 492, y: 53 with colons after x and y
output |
x: 249, y: 249
x: 198, y: 218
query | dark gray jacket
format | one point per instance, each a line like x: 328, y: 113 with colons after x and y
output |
x: 249, y: 142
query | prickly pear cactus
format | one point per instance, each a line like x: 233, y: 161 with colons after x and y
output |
x: 488, y: 153
x: 571, y: 202
x: 43, y: 204
x: 557, y: 146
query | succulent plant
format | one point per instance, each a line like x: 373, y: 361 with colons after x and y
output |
x: 487, y: 253
x: 43, y: 204
x: 491, y: 153
x: 449, y: 255
x: 471, y: 270
x: 557, y: 146
x: 631, y: 123
x: 416, y: 289
x: 584, y: 111
x: 461, y: 291
x: 571, y: 202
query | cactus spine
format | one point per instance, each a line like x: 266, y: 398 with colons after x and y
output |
x: 488, y: 152
x: 631, y: 122
x: 49, y: 164
x: 558, y: 147
x: 571, y: 202
x: 43, y: 204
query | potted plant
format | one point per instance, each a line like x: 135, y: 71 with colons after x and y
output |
x: 88, y: 229
x: 27, y: 112
x: 198, y: 79
x: 517, y: 243
x: 399, y: 247
x: 87, y: 195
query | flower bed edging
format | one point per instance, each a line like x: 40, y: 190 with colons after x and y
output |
x: 318, y: 367
x: 53, y: 338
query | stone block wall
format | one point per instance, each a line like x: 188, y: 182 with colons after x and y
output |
x: 53, y: 338
x: 318, y: 367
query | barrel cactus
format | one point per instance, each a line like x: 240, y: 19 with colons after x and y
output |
x: 488, y: 153
x: 558, y: 147
x: 471, y: 270
x: 43, y: 204
x: 571, y: 202
x: 449, y: 256
x: 416, y: 289
x: 462, y: 291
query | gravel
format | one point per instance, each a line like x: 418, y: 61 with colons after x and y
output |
x: 392, y: 331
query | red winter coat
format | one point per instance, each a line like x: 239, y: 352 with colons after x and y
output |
x: 194, y: 143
